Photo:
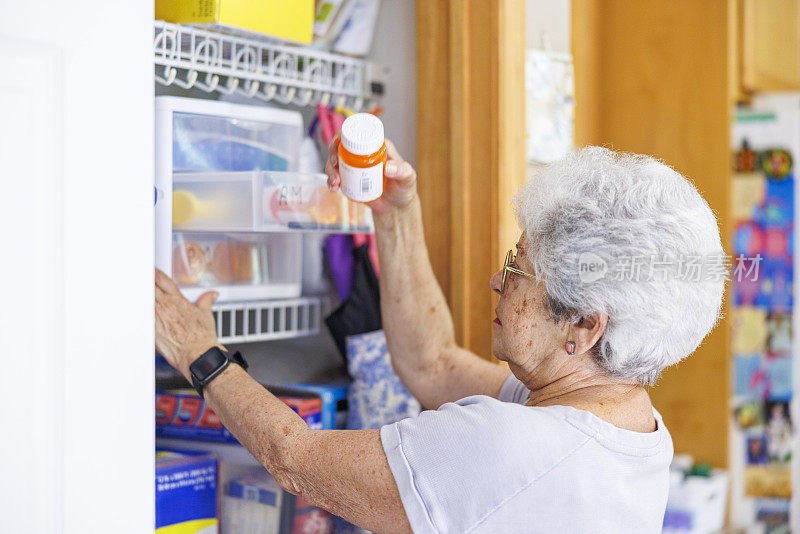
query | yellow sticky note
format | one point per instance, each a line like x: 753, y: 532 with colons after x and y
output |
x: 749, y: 330
x: 748, y: 190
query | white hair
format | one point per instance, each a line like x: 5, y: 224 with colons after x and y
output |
x: 622, y: 210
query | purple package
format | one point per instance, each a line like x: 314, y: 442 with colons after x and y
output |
x: 339, y: 251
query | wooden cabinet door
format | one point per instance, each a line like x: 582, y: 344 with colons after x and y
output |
x: 770, y: 45
x: 470, y: 149
x: 663, y: 90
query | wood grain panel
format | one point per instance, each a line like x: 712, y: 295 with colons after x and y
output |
x: 480, y: 47
x: 433, y: 131
x: 767, y: 66
x: 659, y: 79
x: 587, y: 59
x: 509, y: 94
x: 479, y: 231
x: 457, y: 235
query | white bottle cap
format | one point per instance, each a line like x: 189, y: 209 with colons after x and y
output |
x: 362, y: 134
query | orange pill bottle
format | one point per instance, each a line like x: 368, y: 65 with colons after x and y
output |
x: 362, y: 155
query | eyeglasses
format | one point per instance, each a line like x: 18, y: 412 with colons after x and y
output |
x: 509, y: 267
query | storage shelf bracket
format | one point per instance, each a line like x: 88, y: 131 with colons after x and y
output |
x: 233, y: 63
x: 244, y: 322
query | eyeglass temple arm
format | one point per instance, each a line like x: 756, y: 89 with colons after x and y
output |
x: 517, y: 271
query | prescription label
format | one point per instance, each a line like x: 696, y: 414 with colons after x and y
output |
x: 362, y: 184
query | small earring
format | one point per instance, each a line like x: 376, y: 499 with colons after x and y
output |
x: 569, y: 346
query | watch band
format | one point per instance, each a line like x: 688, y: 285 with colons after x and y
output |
x: 237, y: 357
x: 211, y: 364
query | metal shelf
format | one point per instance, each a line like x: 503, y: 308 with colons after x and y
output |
x: 243, y: 322
x: 189, y: 56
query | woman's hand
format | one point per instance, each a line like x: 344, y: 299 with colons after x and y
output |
x: 184, y: 331
x: 401, y: 183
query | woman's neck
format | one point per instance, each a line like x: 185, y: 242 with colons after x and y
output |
x: 552, y: 379
x: 623, y: 404
x: 580, y: 387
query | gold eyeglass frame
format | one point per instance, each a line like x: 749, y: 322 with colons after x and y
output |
x: 509, y: 267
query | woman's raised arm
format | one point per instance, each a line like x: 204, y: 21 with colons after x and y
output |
x: 416, y: 319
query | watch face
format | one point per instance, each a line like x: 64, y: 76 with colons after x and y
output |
x: 206, y: 364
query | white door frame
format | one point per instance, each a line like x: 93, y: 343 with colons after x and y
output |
x: 76, y: 209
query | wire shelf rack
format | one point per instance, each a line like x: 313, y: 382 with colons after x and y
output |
x: 189, y: 56
x: 245, y: 322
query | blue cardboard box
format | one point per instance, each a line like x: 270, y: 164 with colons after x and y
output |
x: 186, y: 492
x: 334, y: 402
x: 181, y: 413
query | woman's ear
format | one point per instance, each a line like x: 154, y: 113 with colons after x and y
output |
x: 586, y: 331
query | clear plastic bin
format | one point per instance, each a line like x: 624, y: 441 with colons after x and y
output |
x: 263, y: 201
x: 302, y: 201
x: 696, y: 505
x: 207, y: 136
x: 208, y: 142
x: 214, y: 202
x: 239, y: 266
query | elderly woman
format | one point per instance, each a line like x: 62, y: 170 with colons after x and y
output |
x: 593, y: 305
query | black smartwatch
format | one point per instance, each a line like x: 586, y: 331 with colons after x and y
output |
x: 211, y: 364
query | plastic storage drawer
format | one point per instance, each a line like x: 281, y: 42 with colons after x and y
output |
x: 241, y: 267
x: 263, y: 201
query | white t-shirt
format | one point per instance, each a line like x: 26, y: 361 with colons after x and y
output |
x: 488, y: 465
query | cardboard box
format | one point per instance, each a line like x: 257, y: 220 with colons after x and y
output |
x: 183, y: 414
x: 186, y: 492
x: 310, y: 519
x: 292, y: 20
x: 254, y: 504
x: 334, y: 402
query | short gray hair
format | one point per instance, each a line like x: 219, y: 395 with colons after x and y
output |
x: 607, y: 206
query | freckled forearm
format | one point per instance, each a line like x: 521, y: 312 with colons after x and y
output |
x: 418, y: 324
x: 261, y: 422
x: 343, y: 471
x: 415, y: 313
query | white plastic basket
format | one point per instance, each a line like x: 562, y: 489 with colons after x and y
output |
x: 696, y: 505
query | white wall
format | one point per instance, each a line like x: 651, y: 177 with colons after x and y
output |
x: 552, y: 17
x: 394, y: 45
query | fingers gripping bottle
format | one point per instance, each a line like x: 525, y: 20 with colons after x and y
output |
x: 362, y: 154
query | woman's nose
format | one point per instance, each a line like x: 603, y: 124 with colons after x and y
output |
x: 496, y: 281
